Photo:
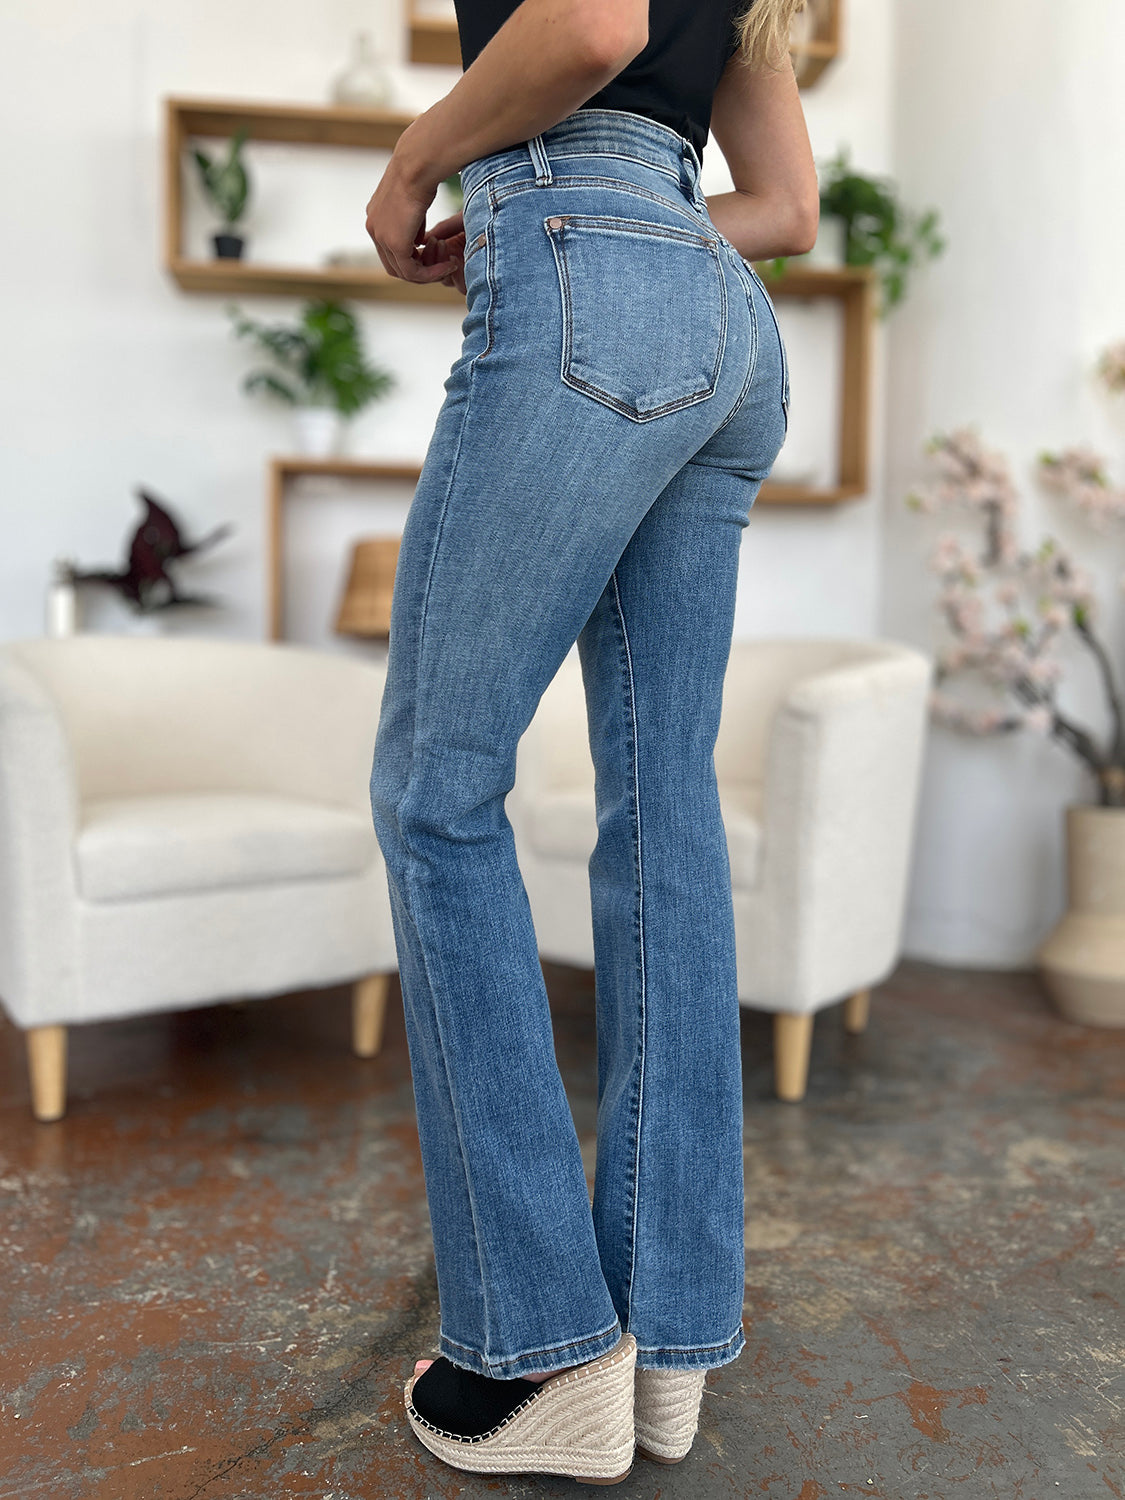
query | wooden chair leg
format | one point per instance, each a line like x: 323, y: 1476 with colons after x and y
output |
x: 857, y: 1008
x: 46, y: 1062
x: 369, y: 1006
x: 792, y: 1042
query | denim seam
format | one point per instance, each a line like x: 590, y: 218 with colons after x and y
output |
x: 640, y: 161
x: 619, y: 183
x: 412, y: 857
x: 627, y: 119
x: 576, y: 382
x: 753, y: 364
x: 542, y: 1350
x: 600, y: 155
x: 405, y: 906
x: 781, y: 343
x: 710, y: 1356
x: 631, y: 716
x: 691, y: 1348
x: 490, y: 271
x: 604, y: 109
x: 641, y: 226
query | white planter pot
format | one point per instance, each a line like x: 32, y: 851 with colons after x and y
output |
x: 319, y: 431
x: 62, y: 610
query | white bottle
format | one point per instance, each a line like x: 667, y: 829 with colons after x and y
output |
x: 62, y: 601
x: 364, y: 83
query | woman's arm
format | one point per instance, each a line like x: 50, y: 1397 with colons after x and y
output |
x: 759, y: 125
x: 547, y: 59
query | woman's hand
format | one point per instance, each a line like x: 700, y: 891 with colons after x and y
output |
x: 548, y: 58
x: 447, y: 239
x: 396, y: 222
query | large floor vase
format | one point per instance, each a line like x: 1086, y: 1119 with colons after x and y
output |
x: 1083, y: 960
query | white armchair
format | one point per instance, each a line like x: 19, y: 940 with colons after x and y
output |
x: 818, y: 761
x: 183, y: 821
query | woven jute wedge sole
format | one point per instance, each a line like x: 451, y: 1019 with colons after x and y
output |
x: 666, y: 1412
x: 579, y: 1424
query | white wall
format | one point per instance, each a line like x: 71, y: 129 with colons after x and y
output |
x: 113, y: 376
x: 1011, y: 118
x: 815, y: 570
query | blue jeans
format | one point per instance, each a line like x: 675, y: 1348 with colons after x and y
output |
x: 620, y: 396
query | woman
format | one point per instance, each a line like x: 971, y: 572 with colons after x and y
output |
x: 620, y: 397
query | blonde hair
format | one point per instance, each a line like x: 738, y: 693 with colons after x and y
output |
x: 763, y: 31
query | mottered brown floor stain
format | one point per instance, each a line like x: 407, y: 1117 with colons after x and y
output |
x: 217, y: 1270
x: 926, y: 1406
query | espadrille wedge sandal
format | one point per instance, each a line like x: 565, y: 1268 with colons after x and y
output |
x: 666, y: 1412
x: 578, y: 1424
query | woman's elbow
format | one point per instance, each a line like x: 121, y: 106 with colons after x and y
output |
x: 803, y: 226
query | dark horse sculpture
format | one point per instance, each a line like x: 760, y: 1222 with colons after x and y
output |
x: 146, y: 583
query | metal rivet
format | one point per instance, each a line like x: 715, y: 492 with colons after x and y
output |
x: 481, y: 239
x: 554, y: 223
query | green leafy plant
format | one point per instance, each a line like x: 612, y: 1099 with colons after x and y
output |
x: 226, y: 183
x: 880, y: 230
x: 320, y: 361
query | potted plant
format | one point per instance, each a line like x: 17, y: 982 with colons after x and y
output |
x: 1007, y: 611
x: 863, y: 223
x: 227, y: 186
x: 147, y: 583
x: 321, y: 370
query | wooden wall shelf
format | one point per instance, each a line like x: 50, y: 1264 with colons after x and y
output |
x: 854, y: 288
x: 250, y: 279
x: 281, y: 471
x: 434, y: 39
x: 314, y: 125
x: 821, y: 43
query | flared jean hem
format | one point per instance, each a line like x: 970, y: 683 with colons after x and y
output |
x: 692, y: 1359
x: 530, y: 1362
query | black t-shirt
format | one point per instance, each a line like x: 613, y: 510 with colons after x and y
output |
x: 673, y: 80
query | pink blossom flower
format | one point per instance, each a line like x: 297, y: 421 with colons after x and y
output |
x: 1006, y: 609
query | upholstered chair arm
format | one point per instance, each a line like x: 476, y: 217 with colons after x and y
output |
x: 842, y: 770
x: 553, y: 757
x: 38, y: 817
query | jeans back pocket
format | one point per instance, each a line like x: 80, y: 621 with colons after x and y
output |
x: 644, y: 312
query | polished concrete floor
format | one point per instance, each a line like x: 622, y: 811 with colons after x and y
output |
x: 216, y: 1271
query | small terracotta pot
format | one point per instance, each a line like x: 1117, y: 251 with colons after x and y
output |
x: 1083, y: 961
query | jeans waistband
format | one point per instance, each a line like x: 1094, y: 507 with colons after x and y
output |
x: 599, y: 132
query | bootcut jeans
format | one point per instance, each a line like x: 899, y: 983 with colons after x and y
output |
x: 621, y: 394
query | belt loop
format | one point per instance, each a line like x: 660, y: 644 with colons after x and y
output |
x: 539, y: 160
x: 693, y: 167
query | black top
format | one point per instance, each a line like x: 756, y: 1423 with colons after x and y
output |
x: 673, y: 80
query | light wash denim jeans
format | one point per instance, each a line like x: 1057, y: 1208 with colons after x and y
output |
x: 621, y: 394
